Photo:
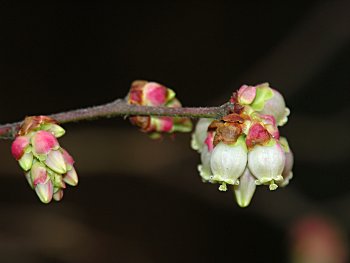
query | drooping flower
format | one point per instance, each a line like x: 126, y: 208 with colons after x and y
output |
x: 228, y: 162
x: 244, y: 148
x: 154, y: 94
x: 266, y: 163
x: 47, y: 166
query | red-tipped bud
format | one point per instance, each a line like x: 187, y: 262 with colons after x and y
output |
x: 246, y: 94
x: 43, y: 142
x: 154, y: 94
x: 39, y: 174
x: 18, y: 146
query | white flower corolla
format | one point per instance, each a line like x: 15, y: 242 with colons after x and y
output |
x: 246, y: 188
x: 200, y: 134
x: 228, y: 162
x: 266, y: 163
x: 288, y: 165
x: 277, y: 108
x: 204, y: 168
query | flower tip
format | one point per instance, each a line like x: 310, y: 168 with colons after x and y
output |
x: 58, y: 195
x: 44, y: 192
x: 71, y: 177
x: 26, y: 161
x: 245, y: 190
x: 56, y: 162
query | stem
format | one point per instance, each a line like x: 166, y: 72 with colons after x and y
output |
x: 120, y: 108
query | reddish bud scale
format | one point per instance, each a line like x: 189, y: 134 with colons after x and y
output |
x: 33, y: 122
x: 257, y: 135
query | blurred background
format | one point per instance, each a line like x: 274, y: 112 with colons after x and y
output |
x: 141, y: 200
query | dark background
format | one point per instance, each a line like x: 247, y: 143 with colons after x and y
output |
x: 143, y: 201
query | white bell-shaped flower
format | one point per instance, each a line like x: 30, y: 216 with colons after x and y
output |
x: 228, y: 162
x: 266, y: 163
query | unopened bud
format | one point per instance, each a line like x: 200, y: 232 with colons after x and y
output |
x: 246, y: 188
x: 71, y: 177
x: 58, y: 195
x: 56, y: 162
x: 44, y: 191
x: 246, y: 94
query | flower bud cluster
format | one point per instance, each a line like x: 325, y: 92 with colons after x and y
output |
x: 47, y: 166
x: 154, y: 94
x: 244, y: 149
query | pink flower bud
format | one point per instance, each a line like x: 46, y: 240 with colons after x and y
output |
x: 18, y: 146
x: 41, y: 157
x: 39, y: 174
x: 266, y: 163
x: 55, y: 161
x: 149, y: 93
x: 246, y: 188
x: 228, y: 162
x: 246, y: 94
x: 161, y: 124
x: 71, y: 177
x: 155, y: 94
x: 43, y: 142
x: 44, y: 191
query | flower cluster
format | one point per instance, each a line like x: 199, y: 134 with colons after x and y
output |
x: 47, y: 166
x: 154, y: 94
x: 244, y: 148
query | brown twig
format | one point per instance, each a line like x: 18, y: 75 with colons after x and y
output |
x: 120, y: 108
